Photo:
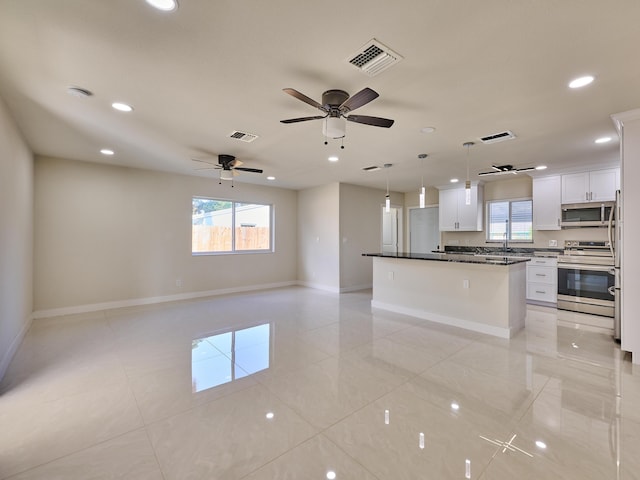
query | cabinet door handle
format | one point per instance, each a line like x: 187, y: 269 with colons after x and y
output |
x: 541, y: 274
x: 558, y: 222
x: 540, y: 291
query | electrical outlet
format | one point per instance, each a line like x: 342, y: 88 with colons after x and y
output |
x: 465, y: 283
x: 553, y: 243
x: 178, y: 282
x: 391, y: 275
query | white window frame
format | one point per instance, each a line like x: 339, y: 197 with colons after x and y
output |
x: 233, y: 250
x: 488, y: 219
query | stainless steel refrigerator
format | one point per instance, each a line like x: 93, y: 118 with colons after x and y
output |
x: 615, y: 243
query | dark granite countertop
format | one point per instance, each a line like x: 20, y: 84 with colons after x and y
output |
x: 451, y: 257
x: 511, y: 251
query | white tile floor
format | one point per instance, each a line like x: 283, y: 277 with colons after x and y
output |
x: 296, y: 383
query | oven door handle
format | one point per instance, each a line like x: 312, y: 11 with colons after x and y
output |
x: 611, y: 291
x: 582, y: 266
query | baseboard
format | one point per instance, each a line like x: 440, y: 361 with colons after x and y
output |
x: 56, y: 312
x: 13, y: 348
x: 356, y: 288
x: 319, y: 286
x: 444, y: 319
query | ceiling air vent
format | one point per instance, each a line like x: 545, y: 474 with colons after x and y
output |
x: 244, y: 136
x: 498, y: 137
x: 372, y: 168
x: 373, y: 58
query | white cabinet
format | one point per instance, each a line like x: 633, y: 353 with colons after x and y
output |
x: 542, y: 280
x: 594, y: 186
x: 603, y: 184
x: 547, y: 210
x: 455, y: 215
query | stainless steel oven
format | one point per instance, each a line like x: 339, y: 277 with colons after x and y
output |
x: 586, y: 278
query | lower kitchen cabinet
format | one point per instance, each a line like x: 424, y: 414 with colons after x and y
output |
x: 542, y: 280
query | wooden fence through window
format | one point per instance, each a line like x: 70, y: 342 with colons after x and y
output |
x: 207, y: 238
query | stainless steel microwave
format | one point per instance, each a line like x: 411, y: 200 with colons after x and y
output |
x: 596, y: 214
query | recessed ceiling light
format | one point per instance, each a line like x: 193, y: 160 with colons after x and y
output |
x: 581, y: 82
x: 427, y: 130
x: 541, y: 444
x: 107, y: 151
x: 331, y: 475
x: 164, y: 5
x: 271, y: 178
x: 333, y: 158
x: 455, y: 406
x: 541, y: 167
x: 454, y: 180
x: 123, y: 107
x: 270, y: 415
x: 603, y: 140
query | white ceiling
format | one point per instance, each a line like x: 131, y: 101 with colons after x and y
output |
x: 470, y: 68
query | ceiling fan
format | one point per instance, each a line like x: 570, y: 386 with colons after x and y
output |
x: 336, y: 105
x: 504, y: 169
x: 228, y: 165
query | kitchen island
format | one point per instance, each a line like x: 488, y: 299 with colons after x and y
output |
x: 480, y: 293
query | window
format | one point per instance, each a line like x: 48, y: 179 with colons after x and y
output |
x: 222, y: 226
x: 511, y: 219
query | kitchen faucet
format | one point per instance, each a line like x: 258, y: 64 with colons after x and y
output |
x: 506, y: 236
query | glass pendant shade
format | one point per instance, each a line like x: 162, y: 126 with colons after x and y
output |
x: 387, y: 204
x: 422, y: 197
x: 467, y: 193
x: 334, y: 127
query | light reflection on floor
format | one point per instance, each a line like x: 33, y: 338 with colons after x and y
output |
x: 224, y: 357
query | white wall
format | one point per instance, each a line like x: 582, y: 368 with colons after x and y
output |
x: 319, y: 237
x: 360, y: 231
x: 16, y: 237
x: 107, y: 234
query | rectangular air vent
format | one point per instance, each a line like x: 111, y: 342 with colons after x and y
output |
x: 372, y: 168
x: 373, y: 58
x: 244, y: 136
x: 498, y: 137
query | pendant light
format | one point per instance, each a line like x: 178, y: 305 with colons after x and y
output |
x: 422, y: 156
x: 387, y: 199
x: 467, y: 184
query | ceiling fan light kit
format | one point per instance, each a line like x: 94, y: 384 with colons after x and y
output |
x: 334, y: 127
x: 505, y: 169
x: 228, y: 165
x: 336, y: 105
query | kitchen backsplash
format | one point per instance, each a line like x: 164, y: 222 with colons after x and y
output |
x: 541, y: 238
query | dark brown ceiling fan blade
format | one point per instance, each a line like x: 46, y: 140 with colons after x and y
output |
x: 361, y: 98
x: 375, y: 121
x: 208, y: 162
x: 252, y: 170
x: 303, y: 119
x: 303, y: 97
x: 505, y: 169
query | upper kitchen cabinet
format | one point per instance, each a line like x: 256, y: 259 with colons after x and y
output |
x: 547, y: 210
x: 594, y: 186
x: 455, y: 215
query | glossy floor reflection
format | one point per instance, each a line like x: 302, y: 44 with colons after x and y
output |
x: 299, y: 383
